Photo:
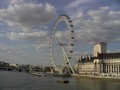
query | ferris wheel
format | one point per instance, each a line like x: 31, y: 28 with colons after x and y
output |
x: 66, y: 44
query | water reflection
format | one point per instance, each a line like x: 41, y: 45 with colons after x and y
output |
x: 24, y: 81
x: 93, y: 84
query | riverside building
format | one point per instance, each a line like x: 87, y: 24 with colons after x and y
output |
x: 101, y: 63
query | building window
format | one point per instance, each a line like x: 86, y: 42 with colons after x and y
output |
x: 119, y: 68
x: 106, y: 68
x: 100, y: 68
x: 112, y: 68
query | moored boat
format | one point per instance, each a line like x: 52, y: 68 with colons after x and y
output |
x: 62, y: 81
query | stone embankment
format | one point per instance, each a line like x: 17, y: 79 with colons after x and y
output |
x: 115, y: 78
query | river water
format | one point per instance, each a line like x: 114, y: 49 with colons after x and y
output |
x: 25, y: 81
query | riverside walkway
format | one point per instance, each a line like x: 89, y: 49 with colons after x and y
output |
x: 116, y: 78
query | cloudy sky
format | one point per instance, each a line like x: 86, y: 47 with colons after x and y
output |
x: 25, y: 27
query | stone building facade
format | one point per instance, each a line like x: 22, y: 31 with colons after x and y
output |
x: 102, y: 63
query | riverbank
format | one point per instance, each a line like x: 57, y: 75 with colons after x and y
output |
x: 116, y: 78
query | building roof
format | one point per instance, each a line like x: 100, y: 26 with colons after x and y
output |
x: 101, y: 43
x: 108, y: 55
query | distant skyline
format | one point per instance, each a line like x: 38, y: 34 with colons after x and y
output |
x: 25, y: 27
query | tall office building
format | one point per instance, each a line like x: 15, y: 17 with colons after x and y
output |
x: 99, y: 48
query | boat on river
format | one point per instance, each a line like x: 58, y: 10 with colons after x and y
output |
x: 38, y: 74
x: 62, y: 81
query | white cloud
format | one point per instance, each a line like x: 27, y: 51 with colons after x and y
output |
x: 30, y: 21
x: 27, y: 36
x: 76, y: 3
x: 28, y: 14
x: 14, y: 1
x: 11, y: 49
x: 39, y: 46
x: 98, y: 25
x: 2, y: 47
x: 37, y: 39
x: 59, y: 34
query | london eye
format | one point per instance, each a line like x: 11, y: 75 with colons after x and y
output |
x: 64, y: 44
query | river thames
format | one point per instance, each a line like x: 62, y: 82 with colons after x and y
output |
x: 25, y: 81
